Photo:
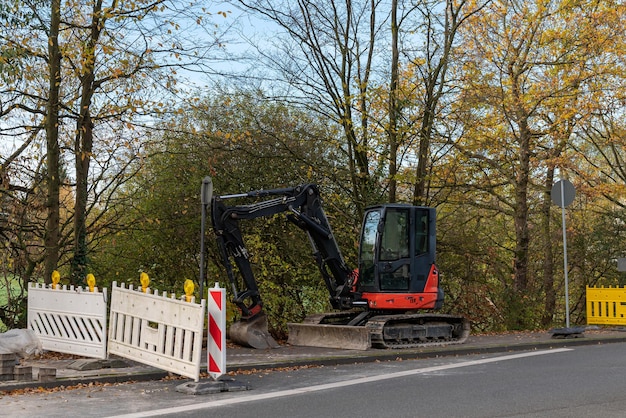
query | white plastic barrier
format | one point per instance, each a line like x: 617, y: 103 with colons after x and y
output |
x: 70, y: 320
x: 156, y: 330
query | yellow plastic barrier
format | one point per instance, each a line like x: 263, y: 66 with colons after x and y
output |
x: 606, y: 305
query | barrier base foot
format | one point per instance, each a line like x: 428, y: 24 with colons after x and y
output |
x: 97, y: 364
x: 212, y: 386
x: 570, y: 332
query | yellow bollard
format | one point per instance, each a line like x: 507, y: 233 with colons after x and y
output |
x: 189, y: 287
x: 56, y: 276
x: 145, y: 281
x: 91, y: 282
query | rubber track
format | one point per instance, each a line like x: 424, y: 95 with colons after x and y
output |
x: 377, y: 324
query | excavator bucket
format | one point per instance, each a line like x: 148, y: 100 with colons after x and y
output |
x: 252, y: 333
x: 329, y: 336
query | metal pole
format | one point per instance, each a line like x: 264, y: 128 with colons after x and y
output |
x: 565, y: 255
x: 202, y: 250
x: 206, y: 193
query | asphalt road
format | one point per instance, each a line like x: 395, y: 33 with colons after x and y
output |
x: 566, y: 382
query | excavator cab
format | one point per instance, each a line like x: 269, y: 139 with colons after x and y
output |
x: 397, y: 258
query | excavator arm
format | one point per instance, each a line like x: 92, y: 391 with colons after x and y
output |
x: 303, y: 207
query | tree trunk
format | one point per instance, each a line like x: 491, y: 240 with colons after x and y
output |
x: 548, y: 254
x: 518, y: 308
x: 419, y: 191
x: 393, y: 105
x: 83, y: 148
x: 51, y: 235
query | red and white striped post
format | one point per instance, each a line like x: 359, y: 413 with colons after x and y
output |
x: 216, y: 362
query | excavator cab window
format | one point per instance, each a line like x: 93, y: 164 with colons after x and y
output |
x: 385, y: 256
x: 371, y: 224
x: 394, y: 266
x: 395, y: 236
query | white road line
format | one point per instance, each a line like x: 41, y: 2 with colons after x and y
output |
x: 309, y: 389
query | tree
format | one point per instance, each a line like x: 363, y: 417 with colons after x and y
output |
x: 336, y: 55
x: 109, y: 60
x: 244, y: 143
x: 112, y: 72
x: 526, y: 91
x: 24, y: 108
x: 440, y: 23
x: 325, y: 55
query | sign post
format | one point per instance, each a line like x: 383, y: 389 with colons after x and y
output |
x: 563, y: 193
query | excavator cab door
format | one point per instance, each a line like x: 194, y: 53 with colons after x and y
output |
x: 397, y: 249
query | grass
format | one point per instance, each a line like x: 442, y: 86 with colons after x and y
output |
x: 7, y: 284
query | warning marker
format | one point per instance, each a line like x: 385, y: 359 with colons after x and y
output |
x: 216, y: 362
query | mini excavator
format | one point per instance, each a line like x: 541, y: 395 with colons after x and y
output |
x: 386, y: 302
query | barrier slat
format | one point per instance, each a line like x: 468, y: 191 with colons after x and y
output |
x: 169, y: 341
